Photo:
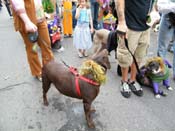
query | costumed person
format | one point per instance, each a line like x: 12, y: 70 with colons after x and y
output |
x: 109, y: 21
x: 82, y: 34
x: 29, y: 18
x: 67, y: 18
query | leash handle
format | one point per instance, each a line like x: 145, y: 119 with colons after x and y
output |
x: 137, y: 66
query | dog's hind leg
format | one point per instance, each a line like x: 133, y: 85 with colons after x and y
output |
x: 46, y: 85
x: 88, y: 111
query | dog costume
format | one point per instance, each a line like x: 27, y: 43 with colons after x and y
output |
x: 157, y: 70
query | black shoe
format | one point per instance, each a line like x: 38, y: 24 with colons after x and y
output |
x: 136, y: 88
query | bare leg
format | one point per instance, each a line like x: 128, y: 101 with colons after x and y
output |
x: 124, y: 74
x: 133, y: 72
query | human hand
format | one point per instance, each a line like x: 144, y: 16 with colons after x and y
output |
x: 122, y: 30
x: 80, y: 6
x: 30, y: 27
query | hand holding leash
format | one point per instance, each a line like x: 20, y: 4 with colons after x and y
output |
x: 122, y: 30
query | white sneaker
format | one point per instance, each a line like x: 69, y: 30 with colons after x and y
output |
x: 157, y: 96
x: 170, y: 88
x: 80, y: 54
x: 85, y: 54
x: 60, y: 49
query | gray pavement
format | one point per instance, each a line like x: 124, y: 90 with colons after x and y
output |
x: 21, y: 105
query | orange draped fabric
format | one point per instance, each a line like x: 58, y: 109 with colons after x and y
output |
x: 67, y: 18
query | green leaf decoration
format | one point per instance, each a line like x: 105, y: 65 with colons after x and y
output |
x: 48, y: 6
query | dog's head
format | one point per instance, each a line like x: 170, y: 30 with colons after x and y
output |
x: 155, y: 66
x: 102, y: 59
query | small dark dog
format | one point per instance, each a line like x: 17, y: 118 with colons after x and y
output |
x: 70, y: 83
x: 156, y: 69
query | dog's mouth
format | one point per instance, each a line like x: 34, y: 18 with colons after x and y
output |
x: 104, y: 68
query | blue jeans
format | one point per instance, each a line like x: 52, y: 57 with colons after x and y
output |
x: 164, y: 37
x: 95, y: 10
x: 73, y: 15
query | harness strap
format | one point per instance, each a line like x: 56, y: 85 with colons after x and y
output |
x: 89, y: 81
x: 77, y: 86
x: 77, y: 77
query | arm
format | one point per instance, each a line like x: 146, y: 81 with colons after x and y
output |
x: 165, y: 6
x: 120, y: 8
x: 19, y: 8
x: 91, y: 21
x: 167, y: 63
x: 78, y: 12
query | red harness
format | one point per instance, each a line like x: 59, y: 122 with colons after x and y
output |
x: 77, y: 77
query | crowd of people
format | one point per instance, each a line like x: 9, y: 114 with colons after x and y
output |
x: 79, y: 20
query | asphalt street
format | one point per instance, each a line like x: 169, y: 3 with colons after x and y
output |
x: 22, y: 109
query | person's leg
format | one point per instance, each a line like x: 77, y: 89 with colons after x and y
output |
x: 7, y: 4
x: 33, y: 58
x: 124, y: 60
x: 95, y: 19
x: 73, y: 15
x: 164, y: 36
x: 174, y: 57
x: 44, y: 42
x: 138, y: 43
x: 57, y: 8
x: 94, y: 11
x: 140, y: 49
x: 0, y: 3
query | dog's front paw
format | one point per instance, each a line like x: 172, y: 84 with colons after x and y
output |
x: 157, y: 96
x: 170, y: 88
x: 92, y: 110
x: 46, y: 103
x: 164, y: 94
x: 91, y: 125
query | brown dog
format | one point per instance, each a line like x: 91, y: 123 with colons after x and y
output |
x: 100, y: 39
x: 65, y: 82
x: 105, y: 39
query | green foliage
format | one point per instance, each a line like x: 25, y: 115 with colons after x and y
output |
x: 48, y: 6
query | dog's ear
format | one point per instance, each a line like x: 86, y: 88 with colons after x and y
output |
x: 148, y: 69
x: 105, y: 58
